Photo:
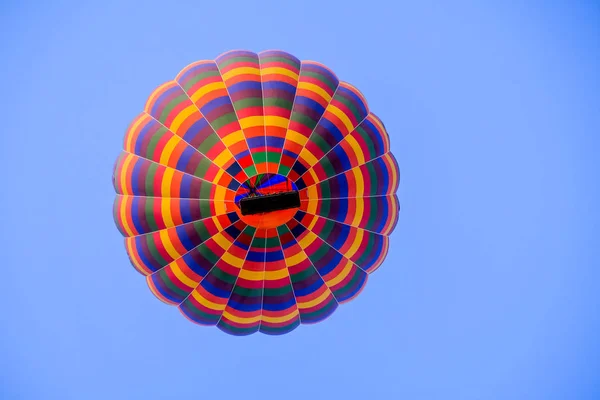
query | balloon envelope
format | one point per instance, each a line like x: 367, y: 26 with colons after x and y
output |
x: 256, y: 192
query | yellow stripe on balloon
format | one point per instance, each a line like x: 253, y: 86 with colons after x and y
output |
x: 252, y: 275
x: 279, y: 71
x: 168, y: 150
x: 341, y: 276
x: 316, y: 89
x: 358, y: 212
x: 207, y: 303
x: 241, y: 320
x: 273, y: 120
x: 360, y: 157
x: 356, y: 244
x: 123, y: 178
x: 222, y: 159
x: 123, y: 208
x: 251, y: 122
x: 204, y: 90
x: 182, y: 116
x: 220, y: 208
x: 311, y: 208
x: 276, y: 275
x: 168, y: 245
x: 317, y: 301
x: 296, y: 137
x: 295, y: 259
x: 165, y: 210
x: 220, y: 193
x: 233, y: 260
x: 311, y: 191
x: 167, y: 183
x: 241, y: 71
x: 183, y: 278
x: 233, y: 138
x: 342, y: 116
x: 284, y: 318
x: 308, y: 157
x: 222, y: 241
x: 359, y: 182
x: 307, y: 240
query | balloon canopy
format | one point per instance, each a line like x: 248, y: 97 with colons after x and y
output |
x: 256, y: 192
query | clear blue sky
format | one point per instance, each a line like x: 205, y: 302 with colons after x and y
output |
x: 490, y: 290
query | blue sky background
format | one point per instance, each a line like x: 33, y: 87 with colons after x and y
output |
x: 491, y: 287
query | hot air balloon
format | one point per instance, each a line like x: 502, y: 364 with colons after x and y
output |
x: 256, y: 192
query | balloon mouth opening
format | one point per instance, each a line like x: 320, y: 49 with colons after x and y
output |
x: 253, y: 205
x: 267, y: 201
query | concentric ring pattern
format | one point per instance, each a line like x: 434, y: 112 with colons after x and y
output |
x: 256, y: 120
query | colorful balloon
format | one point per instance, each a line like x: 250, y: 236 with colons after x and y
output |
x: 256, y: 192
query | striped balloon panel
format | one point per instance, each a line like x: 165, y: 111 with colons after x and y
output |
x: 376, y: 214
x: 242, y: 314
x: 364, y: 248
x: 367, y: 142
x: 279, y: 73
x: 280, y: 313
x: 141, y: 177
x: 149, y: 139
x: 316, y: 87
x: 342, y: 276
x: 209, y: 299
x: 240, y: 71
x: 175, y: 282
x: 314, y: 298
x: 140, y: 215
x: 152, y: 251
x: 203, y: 83
x: 343, y: 114
x: 171, y: 107
x: 378, y: 177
